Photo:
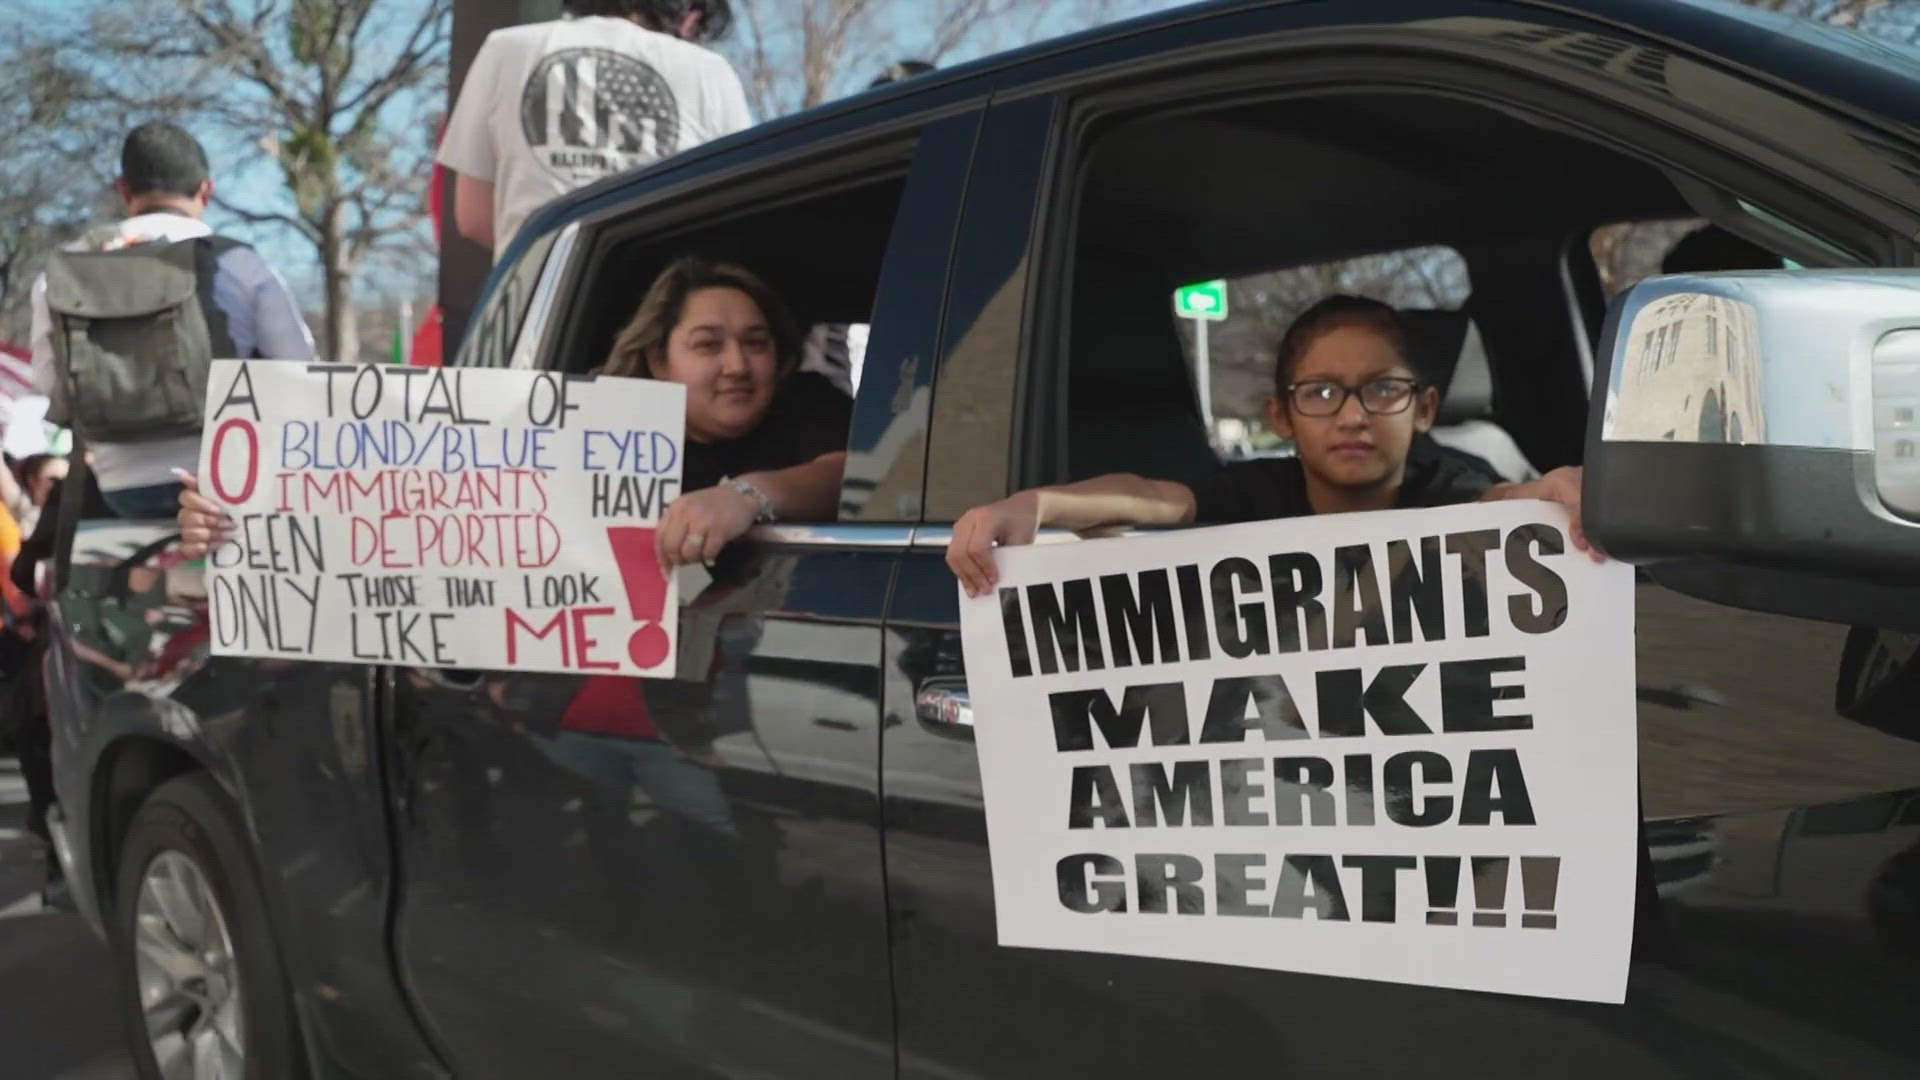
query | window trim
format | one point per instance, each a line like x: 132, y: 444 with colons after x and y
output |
x: 991, y: 287
x: 526, y: 349
x: 530, y: 257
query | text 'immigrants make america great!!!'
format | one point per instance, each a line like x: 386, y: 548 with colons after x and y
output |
x: 1395, y: 745
x: 442, y: 517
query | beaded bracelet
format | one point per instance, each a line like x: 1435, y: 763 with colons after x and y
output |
x: 764, y: 512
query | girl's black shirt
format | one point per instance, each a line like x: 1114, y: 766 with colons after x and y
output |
x: 1268, y: 488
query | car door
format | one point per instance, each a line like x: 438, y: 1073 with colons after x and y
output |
x: 1775, y: 933
x: 690, y: 885
x: 134, y: 698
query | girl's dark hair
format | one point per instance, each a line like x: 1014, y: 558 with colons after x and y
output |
x: 1335, y: 313
x: 27, y: 469
x: 645, y: 335
x: 716, y: 16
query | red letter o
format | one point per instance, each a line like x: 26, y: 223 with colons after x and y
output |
x: 253, y: 461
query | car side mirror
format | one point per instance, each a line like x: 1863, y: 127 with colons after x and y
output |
x: 1754, y: 440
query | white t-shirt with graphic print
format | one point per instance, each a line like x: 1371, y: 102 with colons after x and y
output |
x: 552, y: 106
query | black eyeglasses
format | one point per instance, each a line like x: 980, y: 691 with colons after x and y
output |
x: 1325, y: 397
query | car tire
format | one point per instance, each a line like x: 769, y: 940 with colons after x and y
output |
x: 199, y: 974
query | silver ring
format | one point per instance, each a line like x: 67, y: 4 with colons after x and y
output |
x: 697, y: 539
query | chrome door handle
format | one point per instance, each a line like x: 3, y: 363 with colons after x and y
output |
x: 944, y: 703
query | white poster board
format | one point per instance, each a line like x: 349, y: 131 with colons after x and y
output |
x: 1395, y: 746
x: 442, y: 517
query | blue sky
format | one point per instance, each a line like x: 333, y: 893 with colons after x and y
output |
x: 247, y: 177
x: 242, y: 171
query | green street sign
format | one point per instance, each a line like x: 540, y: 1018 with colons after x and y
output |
x: 1205, y: 300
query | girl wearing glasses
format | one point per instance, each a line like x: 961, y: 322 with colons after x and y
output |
x: 1350, y: 401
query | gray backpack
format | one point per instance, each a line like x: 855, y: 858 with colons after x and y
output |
x: 134, y: 334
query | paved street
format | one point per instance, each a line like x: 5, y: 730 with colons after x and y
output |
x: 56, y: 1017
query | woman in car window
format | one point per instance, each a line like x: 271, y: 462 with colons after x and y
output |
x: 764, y: 441
x: 1351, y: 402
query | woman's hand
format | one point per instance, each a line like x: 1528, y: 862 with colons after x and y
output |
x: 700, y: 523
x: 202, y: 524
x: 1561, y: 486
x: 1012, y: 520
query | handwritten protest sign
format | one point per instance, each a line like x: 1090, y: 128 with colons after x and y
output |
x: 442, y: 517
x: 1395, y: 746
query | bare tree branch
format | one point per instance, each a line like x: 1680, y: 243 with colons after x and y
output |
x: 425, y: 48
x: 315, y: 85
x: 793, y: 54
x: 267, y: 217
x: 253, y: 61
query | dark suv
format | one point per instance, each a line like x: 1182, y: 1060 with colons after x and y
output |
x: 383, y: 872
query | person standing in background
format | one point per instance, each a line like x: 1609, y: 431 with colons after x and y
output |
x: 166, y: 186
x: 26, y: 486
x: 552, y: 106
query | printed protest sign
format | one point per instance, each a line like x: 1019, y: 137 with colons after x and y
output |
x: 1397, y: 745
x: 442, y: 517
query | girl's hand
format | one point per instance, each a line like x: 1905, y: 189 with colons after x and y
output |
x: 202, y: 524
x: 1561, y: 486
x: 1012, y: 520
x: 700, y: 523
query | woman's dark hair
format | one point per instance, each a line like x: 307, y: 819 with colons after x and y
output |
x: 903, y: 69
x: 1335, y: 313
x: 645, y: 335
x: 27, y: 470
x: 161, y: 158
x: 716, y: 16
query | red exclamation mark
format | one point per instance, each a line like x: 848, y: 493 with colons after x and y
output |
x: 646, y: 585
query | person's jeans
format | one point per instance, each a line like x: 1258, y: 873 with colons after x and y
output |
x: 148, y: 503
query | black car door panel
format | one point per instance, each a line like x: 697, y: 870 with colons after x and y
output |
x: 1778, y: 763
x: 682, y: 877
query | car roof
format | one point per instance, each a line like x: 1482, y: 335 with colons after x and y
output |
x: 1853, y: 73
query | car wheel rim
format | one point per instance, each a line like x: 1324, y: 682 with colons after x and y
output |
x: 189, y: 987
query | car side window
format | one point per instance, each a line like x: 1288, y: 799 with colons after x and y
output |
x: 822, y: 254
x: 1366, y: 192
x: 1309, y: 201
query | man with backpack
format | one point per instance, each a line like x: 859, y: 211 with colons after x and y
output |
x: 127, y: 321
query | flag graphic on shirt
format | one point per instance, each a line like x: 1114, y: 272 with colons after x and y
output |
x: 589, y: 113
